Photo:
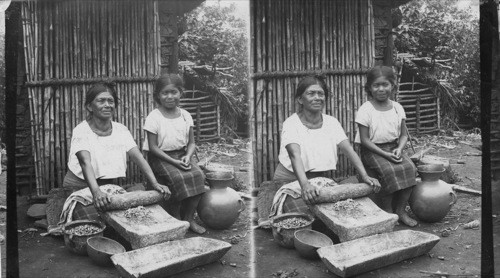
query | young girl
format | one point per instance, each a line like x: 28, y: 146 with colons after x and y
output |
x: 383, y: 136
x: 170, y: 143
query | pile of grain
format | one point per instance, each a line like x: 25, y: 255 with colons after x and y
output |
x: 84, y: 230
x: 292, y: 223
x: 345, y: 205
x: 137, y: 213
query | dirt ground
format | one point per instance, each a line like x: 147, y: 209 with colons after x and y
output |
x: 48, y: 257
x: 455, y: 255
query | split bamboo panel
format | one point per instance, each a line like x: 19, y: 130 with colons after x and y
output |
x: 69, y: 42
x: 204, y: 112
x: 295, y: 38
x: 421, y: 107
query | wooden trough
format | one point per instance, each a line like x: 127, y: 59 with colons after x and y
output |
x: 365, y: 254
x: 169, y: 258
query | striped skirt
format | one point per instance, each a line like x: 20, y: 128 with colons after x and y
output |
x: 291, y: 204
x: 82, y: 212
x: 392, y: 176
x: 182, y: 184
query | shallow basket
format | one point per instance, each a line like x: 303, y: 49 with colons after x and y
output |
x: 284, y: 237
x: 78, y: 244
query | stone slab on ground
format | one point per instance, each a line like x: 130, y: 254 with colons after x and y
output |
x: 368, y: 253
x: 42, y: 223
x: 37, y: 211
x: 168, y: 258
x: 362, y: 218
x: 153, y: 227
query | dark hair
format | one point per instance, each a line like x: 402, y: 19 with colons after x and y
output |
x: 379, y: 71
x: 166, y: 80
x: 98, y: 88
x: 308, y: 81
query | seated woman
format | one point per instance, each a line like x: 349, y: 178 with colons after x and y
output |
x: 309, y: 142
x: 383, y: 136
x: 98, y: 154
x: 171, y: 145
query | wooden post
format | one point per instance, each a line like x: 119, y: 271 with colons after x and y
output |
x: 198, y: 122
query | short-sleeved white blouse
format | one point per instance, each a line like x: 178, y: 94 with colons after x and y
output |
x: 384, y: 126
x: 108, y: 154
x: 318, y: 147
x: 173, y: 134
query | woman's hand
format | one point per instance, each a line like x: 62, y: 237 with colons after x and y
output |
x: 373, y: 182
x: 309, y: 193
x: 181, y: 165
x: 162, y: 189
x: 101, y: 200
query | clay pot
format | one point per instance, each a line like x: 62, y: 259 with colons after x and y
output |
x: 100, y: 249
x: 221, y: 205
x: 307, y: 242
x: 431, y: 198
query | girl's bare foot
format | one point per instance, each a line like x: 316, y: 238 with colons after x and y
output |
x: 193, y: 226
x: 407, y: 220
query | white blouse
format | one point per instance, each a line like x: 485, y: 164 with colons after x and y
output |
x: 318, y: 147
x: 384, y: 126
x: 173, y: 134
x: 108, y: 154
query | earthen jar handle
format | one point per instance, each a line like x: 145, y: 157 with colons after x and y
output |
x: 453, y: 197
x: 242, y: 206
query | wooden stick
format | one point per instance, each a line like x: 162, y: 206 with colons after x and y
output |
x: 464, y: 189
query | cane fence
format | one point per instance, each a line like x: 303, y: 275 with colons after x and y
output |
x: 68, y: 46
x: 295, y: 38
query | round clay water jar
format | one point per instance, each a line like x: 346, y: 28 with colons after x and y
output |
x: 221, y: 205
x: 432, y: 198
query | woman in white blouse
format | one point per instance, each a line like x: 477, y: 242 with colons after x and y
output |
x: 309, y: 142
x: 99, y: 150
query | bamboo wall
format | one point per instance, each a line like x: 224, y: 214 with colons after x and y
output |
x: 68, y: 45
x: 295, y: 38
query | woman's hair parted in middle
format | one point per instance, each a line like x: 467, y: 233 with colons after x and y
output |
x: 98, y: 88
x: 379, y: 71
x: 165, y: 80
x: 308, y: 81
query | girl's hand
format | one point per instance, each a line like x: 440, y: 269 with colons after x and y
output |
x: 101, y: 200
x: 162, y: 189
x: 373, y: 182
x: 393, y: 158
x: 183, y: 166
x: 397, y: 152
x: 186, y: 160
x: 310, y: 193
